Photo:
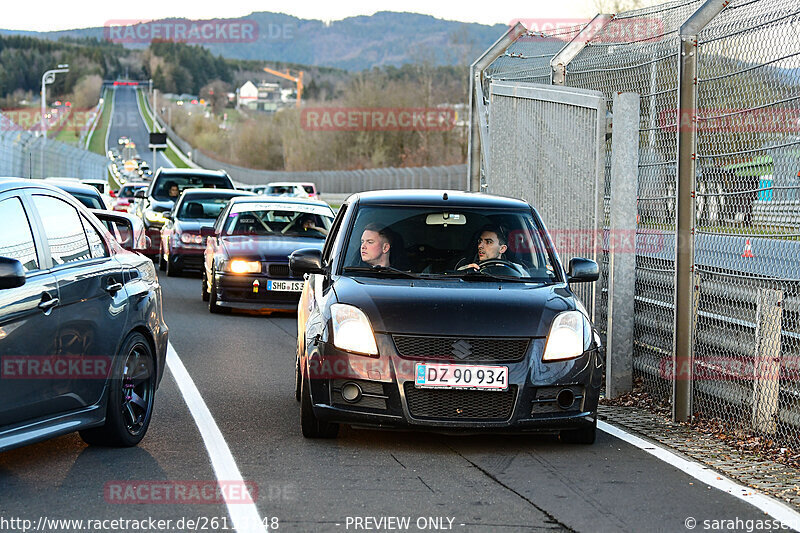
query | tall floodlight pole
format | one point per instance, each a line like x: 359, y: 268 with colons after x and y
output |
x: 48, y: 78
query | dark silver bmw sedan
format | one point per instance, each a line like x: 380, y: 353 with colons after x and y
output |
x: 82, y: 335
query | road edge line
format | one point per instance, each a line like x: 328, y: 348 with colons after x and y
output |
x: 769, y: 505
x: 244, y: 516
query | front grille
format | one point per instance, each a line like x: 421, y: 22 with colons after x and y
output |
x: 460, y: 404
x: 279, y: 271
x: 462, y: 349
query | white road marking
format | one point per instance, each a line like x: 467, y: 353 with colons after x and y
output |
x: 775, y: 508
x: 244, y: 516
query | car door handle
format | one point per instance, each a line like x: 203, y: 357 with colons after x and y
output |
x: 46, y: 305
x: 113, y: 288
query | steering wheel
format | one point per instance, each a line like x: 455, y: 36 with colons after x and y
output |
x: 497, y: 263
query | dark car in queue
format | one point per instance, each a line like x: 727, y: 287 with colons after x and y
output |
x: 83, y: 342
x: 182, y: 245
x: 124, y: 200
x: 444, y: 311
x: 87, y: 195
x: 165, y: 189
x: 246, y: 261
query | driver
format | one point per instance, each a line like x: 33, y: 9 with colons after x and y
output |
x: 309, y: 225
x: 492, y: 244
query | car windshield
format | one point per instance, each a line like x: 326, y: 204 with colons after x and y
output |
x: 269, y: 218
x: 127, y: 191
x: 281, y: 190
x: 170, y: 187
x: 202, y: 206
x: 467, y: 243
x: 92, y: 202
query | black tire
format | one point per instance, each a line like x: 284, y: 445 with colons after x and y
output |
x: 585, y: 435
x: 173, y: 269
x: 312, y: 427
x: 297, y: 385
x: 205, y: 294
x: 212, y: 298
x: 131, y: 395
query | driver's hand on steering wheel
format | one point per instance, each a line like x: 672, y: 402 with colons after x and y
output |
x: 471, y: 265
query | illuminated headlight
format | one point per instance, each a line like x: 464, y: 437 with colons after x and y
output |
x: 570, y: 336
x: 239, y: 266
x: 156, y: 217
x: 191, y: 238
x: 352, y: 331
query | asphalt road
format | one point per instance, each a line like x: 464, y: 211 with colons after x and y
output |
x: 127, y: 121
x: 242, y: 365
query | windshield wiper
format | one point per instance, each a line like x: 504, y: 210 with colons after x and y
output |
x: 382, y: 270
x: 479, y: 275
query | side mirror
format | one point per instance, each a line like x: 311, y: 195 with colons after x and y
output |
x: 168, y: 215
x: 207, y: 231
x: 306, y: 261
x: 140, y: 193
x: 582, y: 270
x: 12, y: 274
x: 127, y: 231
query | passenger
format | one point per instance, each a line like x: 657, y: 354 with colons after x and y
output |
x: 375, y: 246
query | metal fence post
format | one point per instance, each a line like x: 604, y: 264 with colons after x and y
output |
x: 683, y: 344
x: 622, y: 244
x: 767, y: 367
x: 558, y: 64
x: 477, y: 109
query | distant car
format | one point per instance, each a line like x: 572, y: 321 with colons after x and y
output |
x: 448, y: 312
x: 181, y: 243
x: 103, y: 188
x: 125, y: 196
x: 85, y: 194
x: 311, y: 190
x: 123, y: 141
x: 157, y: 200
x: 286, y: 188
x: 83, y: 329
x: 246, y: 260
x: 260, y: 189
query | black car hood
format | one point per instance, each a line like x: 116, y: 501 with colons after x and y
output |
x: 457, y: 307
x: 266, y: 248
x: 192, y: 225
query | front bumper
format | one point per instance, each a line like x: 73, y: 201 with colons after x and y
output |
x: 237, y: 291
x: 390, y: 398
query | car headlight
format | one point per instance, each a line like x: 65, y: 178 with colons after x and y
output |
x: 240, y: 266
x: 191, y: 238
x: 569, y: 337
x: 352, y: 331
x: 156, y: 217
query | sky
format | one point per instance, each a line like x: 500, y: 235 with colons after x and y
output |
x: 60, y: 15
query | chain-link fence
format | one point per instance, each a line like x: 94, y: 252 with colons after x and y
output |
x: 746, y: 208
x: 23, y: 154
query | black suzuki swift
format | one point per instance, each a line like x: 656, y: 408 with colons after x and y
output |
x: 444, y: 311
